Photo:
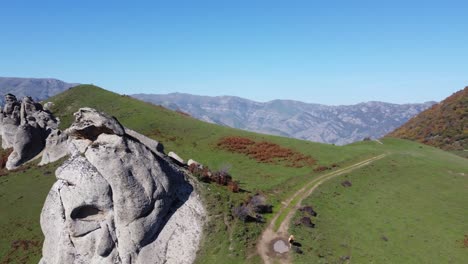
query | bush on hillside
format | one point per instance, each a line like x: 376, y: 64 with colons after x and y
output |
x: 252, y: 209
x: 221, y: 177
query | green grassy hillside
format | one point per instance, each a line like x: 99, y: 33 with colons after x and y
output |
x: 22, y: 195
x: 189, y: 138
x: 227, y: 240
x: 410, y: 207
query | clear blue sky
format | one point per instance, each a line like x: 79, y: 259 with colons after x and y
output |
x: 330, y: 52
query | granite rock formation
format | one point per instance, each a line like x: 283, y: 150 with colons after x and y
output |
x: 24, y: 126
x: 118, y: 199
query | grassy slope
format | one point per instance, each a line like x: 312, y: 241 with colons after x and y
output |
x: 190, y: 138
x: 22, y: 194
x: 227, y: 241
x: 415, y: 197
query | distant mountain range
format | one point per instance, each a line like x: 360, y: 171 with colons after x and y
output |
x: 444, y: 125
x: 38, y: 89
x: 320, y: 123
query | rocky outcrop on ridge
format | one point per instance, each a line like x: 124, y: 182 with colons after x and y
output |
x: 24, y: 126
x: 118, y: 199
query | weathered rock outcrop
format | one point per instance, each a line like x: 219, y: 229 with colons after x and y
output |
x: 24, y: 127
x: 56, y: 147
x: 118, y: 199
x: 9, y: 120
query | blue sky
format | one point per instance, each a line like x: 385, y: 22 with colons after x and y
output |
x: 329, y: 52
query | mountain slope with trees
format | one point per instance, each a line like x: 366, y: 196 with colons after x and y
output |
x: 444, y: 125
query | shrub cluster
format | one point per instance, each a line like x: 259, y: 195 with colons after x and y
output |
x: 252, y: 209
x: 221, y: 177
x: 324, y: 168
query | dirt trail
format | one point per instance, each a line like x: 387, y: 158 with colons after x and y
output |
x: 269, y: 235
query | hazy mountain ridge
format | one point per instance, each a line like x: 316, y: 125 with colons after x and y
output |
x: 321, y: 123
x: 37, y: 88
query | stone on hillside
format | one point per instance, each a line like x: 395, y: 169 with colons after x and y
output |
x: 176, y: 158
x: 309, y: 210
x: 346, y: 183
x: 47, y: 106
x: 119, y: 202
x: 306, y: 222
x: 191, y: 161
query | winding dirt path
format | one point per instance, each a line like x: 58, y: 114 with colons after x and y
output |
x: 272, y: 233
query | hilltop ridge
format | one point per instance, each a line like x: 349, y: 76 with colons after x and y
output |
x: 444, y: 125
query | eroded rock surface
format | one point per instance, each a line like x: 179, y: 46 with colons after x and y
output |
x: 24, y: 126
x: 56, y: 147
x: 9, y: 120
x: 118, y: 200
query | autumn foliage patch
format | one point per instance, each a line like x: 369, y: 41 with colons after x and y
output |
x: 464, y: 242
x: 266, y: 152
x: 444, y: 125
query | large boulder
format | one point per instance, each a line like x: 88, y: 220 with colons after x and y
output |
x: 117, y: 200
x: 29, y: 142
